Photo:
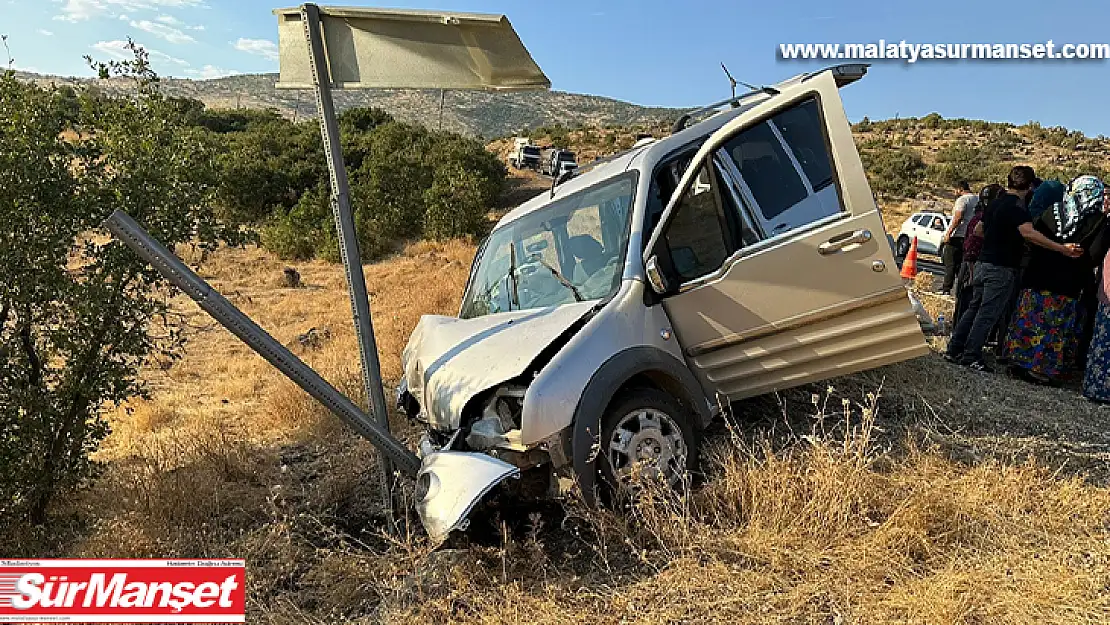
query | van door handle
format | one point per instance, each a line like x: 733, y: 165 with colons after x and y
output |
x: 842, y: 241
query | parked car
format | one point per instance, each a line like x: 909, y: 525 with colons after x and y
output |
x: 525, y: 155
x: 557, y: 161
x: 604, y: 324
x: 929, y: 228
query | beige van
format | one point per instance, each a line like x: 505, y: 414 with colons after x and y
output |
x: 604, y: 322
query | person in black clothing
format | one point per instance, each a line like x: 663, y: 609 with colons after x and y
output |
x: 1043, y: 331
x: 952, y: 252
x: 998, y: 333
x: 1005, y: 228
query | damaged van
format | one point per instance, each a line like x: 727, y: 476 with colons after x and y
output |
x: 605, y: 323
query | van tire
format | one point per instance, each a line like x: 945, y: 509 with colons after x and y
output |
x: 651, y: 425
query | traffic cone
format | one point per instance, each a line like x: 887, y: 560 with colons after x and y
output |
x: 909, y: 265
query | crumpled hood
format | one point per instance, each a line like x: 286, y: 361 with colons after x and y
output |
x: 449, y: 360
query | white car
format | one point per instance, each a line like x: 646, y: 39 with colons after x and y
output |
x: 928, y: 227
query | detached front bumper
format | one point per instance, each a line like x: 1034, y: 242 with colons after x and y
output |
x: 449, y: 485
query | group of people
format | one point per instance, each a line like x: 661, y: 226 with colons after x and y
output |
x: 1029, y: 268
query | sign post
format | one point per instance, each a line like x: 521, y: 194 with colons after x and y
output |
x: 348, y: 239
x: 388, y: 48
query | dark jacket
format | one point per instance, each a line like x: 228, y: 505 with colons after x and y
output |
x: 1058, y: 274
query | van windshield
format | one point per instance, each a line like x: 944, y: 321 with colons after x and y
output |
x: 571, y: 250
x: 531, y: 150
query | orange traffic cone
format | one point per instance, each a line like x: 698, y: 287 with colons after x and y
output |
x: 909, y: 265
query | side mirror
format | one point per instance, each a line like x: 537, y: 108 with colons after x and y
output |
x: 655, y: 276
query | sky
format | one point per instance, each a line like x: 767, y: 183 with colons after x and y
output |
x: 652, y: 52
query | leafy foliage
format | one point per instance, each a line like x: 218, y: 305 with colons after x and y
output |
x: 406, y: 182
x: 266, y: 167
x: 75, y: 307
x: 893, y: 172
x: 976, y: 165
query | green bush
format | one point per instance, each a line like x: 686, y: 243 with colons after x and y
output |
x: 303, y: 230
x: 457, y: 202
x: 933, y: 121
x: 362, y: 119
x: 894, y: 172
x: 268, y: 167
x: 962, y: 162
x: 224, y: 121
x: 406, y: 182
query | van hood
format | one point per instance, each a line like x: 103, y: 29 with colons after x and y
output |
x: 449, y: 360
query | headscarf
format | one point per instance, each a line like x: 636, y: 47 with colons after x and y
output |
x: 1083, y: 198
x: 1047, y: 195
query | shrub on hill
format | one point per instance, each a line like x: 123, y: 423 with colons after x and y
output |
x: 893, y: 172
x: 977, y: 165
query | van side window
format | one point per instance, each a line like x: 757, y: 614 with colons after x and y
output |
x: 801, y: 128
x: 695, y: 235
x: 785, y: 165
x: 767, y: 169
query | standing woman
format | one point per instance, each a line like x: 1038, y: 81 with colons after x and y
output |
x: 1096, y: 381
x: 973, y: 244
x: 1042, y: 332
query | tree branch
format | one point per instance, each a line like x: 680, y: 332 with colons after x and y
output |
x: 34, y: 364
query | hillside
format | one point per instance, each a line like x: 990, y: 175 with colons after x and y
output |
x: 486, y: 114
x: 913, y: 163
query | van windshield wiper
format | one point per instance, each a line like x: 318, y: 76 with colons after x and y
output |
x: 515, y: 295
x: 562, y: 280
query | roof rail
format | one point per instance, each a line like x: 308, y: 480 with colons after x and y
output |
x: 845, y: 74
x: 681, y: 122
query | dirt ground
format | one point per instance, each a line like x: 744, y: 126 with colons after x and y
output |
x: 920, y: 492
x: 916, y: 493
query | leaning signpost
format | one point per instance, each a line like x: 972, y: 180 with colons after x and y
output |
x: 326, y: 48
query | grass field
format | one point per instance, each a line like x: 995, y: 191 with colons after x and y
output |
x: 916, y: 493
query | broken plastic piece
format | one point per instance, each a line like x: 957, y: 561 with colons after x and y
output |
x: 449, y: 485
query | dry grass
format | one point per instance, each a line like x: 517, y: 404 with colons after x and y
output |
x: 838, y: 507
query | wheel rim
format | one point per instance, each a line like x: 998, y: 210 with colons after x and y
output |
x: 648, y: 443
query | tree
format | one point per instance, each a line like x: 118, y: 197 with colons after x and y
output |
x: 964, y: 162
x: 76, y: 307
x: 399, y: 174
x: 268, y: 167
x: 457, y: 203
x: 363, y: 119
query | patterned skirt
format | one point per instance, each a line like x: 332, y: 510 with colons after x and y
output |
x: 1042, y: 331
x: 1096, y: 382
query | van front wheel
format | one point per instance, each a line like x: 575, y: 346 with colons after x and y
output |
x: 646, y: 436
